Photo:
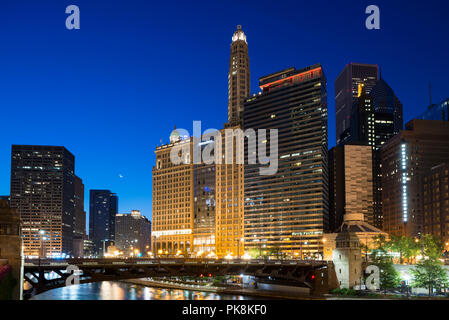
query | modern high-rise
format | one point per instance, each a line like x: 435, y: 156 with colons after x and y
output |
x: 288, y: 211
x: 204, y: 208
x: 173, y: 198
x: 406, y: 159
x: 439, y: 111
x: 376, y: 117
x: 346, y: 92
x: 43, y: 192
x: 79, y: 219
x: 133, y: 233
x: 103, y: 206
x: 350, y: 183
x: 239, y: 82
x: 436, y: 202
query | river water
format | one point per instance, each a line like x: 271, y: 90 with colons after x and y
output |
x: 111, y: 290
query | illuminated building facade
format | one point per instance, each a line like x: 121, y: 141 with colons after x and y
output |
x: 103, y: 207
x: 133, y: 234
x: 288, y: 211
x: 346, y: 92
x: 436, y: 202
x: 229, y: 230
x: 239, y: 83
x: 406, y: 159
x: 376, y: 117
x: 173, y: 199
x: 204, y: 209
x: 42, y: 191
x: 350, y: 183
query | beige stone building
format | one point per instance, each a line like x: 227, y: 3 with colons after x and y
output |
x: 173, y: 199
x: 230, y: 198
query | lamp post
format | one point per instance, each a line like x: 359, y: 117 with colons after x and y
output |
x: 41, y: 233
x: 238, y: 247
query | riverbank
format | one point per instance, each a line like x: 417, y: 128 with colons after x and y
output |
x: 225, y: 290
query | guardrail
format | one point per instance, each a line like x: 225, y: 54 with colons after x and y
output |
x: 143, y: 261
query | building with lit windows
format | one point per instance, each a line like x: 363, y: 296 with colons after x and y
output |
x: 204, y: 209
x: 103, y: 206
x: 350, y: 183
x: 439, y: 111
x: 406, y: 159
x: 346, y: 92
x: 376, y: 117
x: 133, y: 234
x: 173, y: 199
x: 239, y: 80
x: 229, y: 230
x: 43, y: 193
x: 436, y: 202
x: 288, y: 211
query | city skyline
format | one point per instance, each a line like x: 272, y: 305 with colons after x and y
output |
x: 109, y: 162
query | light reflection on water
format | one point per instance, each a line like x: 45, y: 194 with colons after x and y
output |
x: 111, y: 290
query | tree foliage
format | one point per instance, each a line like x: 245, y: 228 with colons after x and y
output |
x: 430, y: 274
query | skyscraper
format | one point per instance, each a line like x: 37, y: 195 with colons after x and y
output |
x: 288, y: 211
x: 173, y: 199
x: 204, y: 208
x: 229, y: 210
x: 351, y: 183
x: 133, y: 233
x: 375, y: 118
x: 439, y: 111
x: 406, y: 159
x: 79, y: 219
x: 43, y: 192
x: 346, y: 91
x: 103, y: 206
x: 436, y: 202
x: 239, y: 82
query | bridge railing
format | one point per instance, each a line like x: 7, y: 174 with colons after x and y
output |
x: 138, y: 261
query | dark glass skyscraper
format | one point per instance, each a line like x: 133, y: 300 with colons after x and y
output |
x: 43, y: 191
x: 133, y: 234
x: 346, y: 91
x: 288, y: 211
x: 439, y: 111
x: 103, y: 209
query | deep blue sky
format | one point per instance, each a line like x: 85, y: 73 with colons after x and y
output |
x: 111, y: 90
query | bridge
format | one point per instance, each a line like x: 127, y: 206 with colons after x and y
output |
x: 47, y: 274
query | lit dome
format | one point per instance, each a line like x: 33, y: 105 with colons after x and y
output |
x: 239, y: 34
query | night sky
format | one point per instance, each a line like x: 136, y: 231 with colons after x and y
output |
x: 112, y: 90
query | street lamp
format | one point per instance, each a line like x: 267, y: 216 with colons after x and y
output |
x: 238, y: 247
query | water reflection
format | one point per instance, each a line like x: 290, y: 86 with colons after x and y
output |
x: 110, y: 290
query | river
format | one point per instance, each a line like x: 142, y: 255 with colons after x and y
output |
x: 112, y: 290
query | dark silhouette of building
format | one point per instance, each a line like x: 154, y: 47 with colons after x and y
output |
x: 79, y: 219
x: 439, y: 111
x: 43, y: 192
x: 346, y: 92
x: 103, y: 206
x: 133, y: 234
x: 406, y: 160
x: 288, y: 211
x: 6, y: 198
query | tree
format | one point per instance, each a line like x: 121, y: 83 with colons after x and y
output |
x: 405, y: 246
x: 389, y: 277
x: 431, y: 246
x: 430, y: 274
